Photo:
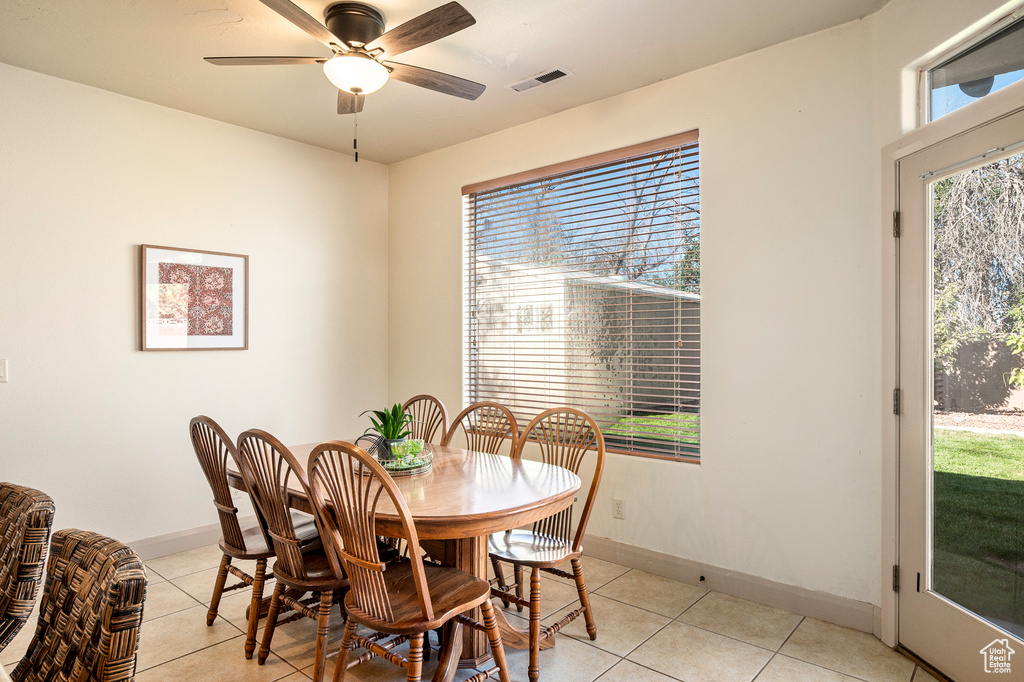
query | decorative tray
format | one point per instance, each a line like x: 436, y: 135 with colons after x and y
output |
x: 407, y: 466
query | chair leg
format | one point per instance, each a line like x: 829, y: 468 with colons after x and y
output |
x: 259, y: 580
x: 519, y: 585
x: 323, y: 623
x: 500, y: 575
x: 581, y: 588
x: 346, y: 643
x: 534, y: 670
x: 494, y: 637
x: 268, y: 631
x: 218, y: 589
x: 415, y: 661
x: 441, y: 633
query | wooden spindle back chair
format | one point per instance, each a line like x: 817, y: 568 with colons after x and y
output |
x: 405, y: 599
x: 484, y: 427
x: 250, y: 542
x: 214, y: 449
x: 429, y: 418
x: 26, y: 515
x: 90, y: 613
x: 568, y: 438
x: 270, y: 470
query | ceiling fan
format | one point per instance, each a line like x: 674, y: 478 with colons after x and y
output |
x: 355, y: 33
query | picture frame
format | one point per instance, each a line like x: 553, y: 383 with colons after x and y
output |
x: 193, y: 299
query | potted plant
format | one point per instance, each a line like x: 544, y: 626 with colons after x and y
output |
x: 391, y: 425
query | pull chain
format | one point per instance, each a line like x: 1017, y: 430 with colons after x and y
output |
x: 355, y: 135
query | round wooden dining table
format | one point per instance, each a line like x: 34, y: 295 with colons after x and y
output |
x: 464, y: 498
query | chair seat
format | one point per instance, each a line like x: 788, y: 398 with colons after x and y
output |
x: 452, y: 591
x: 529, y: 548
x: 256, y: 542
x: 319, y: 575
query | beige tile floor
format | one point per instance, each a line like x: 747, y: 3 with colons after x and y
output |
x: 650, y: 629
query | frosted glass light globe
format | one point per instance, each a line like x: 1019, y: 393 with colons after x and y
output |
x: 355, y: 73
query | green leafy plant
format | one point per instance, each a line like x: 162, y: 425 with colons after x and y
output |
x: 390, y: 424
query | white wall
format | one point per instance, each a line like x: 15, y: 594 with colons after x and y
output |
x: 85, y: 177
x: 796, y: 367
x: 789, y: 485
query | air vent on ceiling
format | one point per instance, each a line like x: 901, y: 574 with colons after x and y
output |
x: 538, y: 80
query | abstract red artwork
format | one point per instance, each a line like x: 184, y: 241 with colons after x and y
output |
x: 194, y: 300
x: 200, y: 295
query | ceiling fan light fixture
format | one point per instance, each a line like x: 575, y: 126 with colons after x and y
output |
x: 356, y: 73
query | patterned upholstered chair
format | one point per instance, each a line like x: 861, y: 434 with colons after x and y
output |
x: 89, y: 614
x: 25, y: 519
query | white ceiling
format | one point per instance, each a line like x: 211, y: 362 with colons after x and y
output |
x: 153, y: 50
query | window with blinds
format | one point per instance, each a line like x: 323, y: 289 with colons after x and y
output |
x: 583, y: 289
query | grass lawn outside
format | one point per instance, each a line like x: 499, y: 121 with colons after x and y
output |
x: 674, y: 428
x: 979, y: 522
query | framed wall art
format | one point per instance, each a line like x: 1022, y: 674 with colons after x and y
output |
x: 194, y: 300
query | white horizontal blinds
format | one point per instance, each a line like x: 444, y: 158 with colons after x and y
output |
x: 583, y: 289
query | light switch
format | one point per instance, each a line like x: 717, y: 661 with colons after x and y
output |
x: 3, y: 371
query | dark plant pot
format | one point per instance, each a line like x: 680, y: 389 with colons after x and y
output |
x: 385, y: 447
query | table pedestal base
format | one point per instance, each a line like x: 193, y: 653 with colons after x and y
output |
x: 470, y: 555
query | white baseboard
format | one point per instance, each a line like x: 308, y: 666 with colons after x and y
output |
x: 828, y: 607
x: 182, y: 540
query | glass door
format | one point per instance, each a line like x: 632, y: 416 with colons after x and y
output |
x: 961, y: 312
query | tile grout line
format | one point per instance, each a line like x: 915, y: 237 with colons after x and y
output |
x: 640, y: 665
x: 671, y: 620
x: 790, y: 635
x: 171, y: 613
x: 766, y: 664
x: 823, y: 667
x: 735, y: 639
x: 241, y: 635
x: 699, y: 599
x: 654, y: 634
x: 675, y: 620
x: 642, y: 608
x: 188, y: 653
x: 594, y: 589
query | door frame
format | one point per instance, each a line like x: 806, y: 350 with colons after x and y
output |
x: 998, y: 105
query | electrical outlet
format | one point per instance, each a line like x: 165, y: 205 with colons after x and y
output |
x: 617, y: 508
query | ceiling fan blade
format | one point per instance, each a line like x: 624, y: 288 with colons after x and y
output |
x: 262, y: 61
x: 426, y: 28
x: 435, y: 80
x: 297, y: 16
x: 349, y: 103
